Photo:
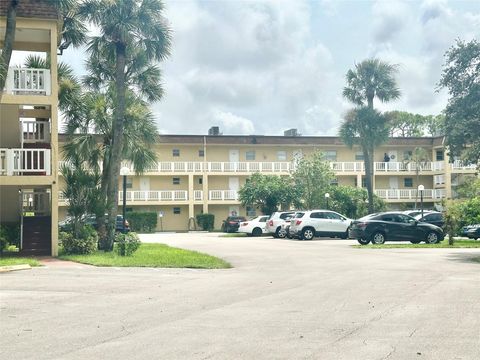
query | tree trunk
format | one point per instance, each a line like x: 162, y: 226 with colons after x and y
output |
x: 117, y: 144
x: 368, y: 161
x: 100, y: 215
x: 8, y: 43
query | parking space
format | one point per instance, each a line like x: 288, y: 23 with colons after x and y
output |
x: 284, y: 299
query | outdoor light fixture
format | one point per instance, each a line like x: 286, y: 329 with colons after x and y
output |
x: 327, y: 196
x: 124, y: 171
x: 421, y: 188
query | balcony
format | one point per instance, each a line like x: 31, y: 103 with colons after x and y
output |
x: 24, y: 81
x: 223, y: 195
x: 17, y: 162
x: 34, y: 131
x: 459, y: 165
x: 410, y: 194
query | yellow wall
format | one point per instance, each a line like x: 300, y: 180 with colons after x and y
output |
x: 9, y: 204
x: 9, y: 126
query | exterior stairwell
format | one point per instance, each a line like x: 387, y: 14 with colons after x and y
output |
x: 37, y: 232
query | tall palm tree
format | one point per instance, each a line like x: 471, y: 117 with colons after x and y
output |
x: 6, y: 53
x: 372, y: 78
x: 127, y: 28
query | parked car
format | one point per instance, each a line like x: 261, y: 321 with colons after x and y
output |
x: 254, y: 227
x: 473, y: 232
x: 232, y: 223
x: 308, y: 224
x: 284, y: 231
x: 433, y: 217
x: 66, y: 225
x: 416, y: 212
x: 275, y: 221
x: 387, y: 226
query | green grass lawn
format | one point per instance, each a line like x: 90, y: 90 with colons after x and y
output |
x: 443, y: 244
x: 152, y: 255
x: 6, y: 260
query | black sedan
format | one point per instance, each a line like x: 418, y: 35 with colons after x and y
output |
x: 473, y: 232
x: 395, y: 226
x: 232, y: 223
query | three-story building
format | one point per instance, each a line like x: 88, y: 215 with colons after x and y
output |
x: 28, y: 131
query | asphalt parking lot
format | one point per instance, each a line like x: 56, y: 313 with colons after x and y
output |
x: 283, y: 299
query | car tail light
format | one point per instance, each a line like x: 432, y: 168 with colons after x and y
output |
x: 298, y: 222
x: 232, y: 222
x: 270, y: 223
x: 361, y: 225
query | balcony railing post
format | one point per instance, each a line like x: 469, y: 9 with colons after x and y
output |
x: 9, y: 160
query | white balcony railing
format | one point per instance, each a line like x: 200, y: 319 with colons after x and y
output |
x: 403, y: 166
x: 36, y: 201
x: 223, y: 195
x: 34, y: 131
x: 198, y: 195
x: 460, y: 165
x: 410, y: 194
x: 356, y: 166
x: 23, y: 81
x: 155, y: 195
x: 25, y: 162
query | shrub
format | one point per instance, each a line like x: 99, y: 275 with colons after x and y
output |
x: 206, y: 221
x: 10, y: 235
x: 127, y: 243
x: 85, y: 243
x: 142, y: 221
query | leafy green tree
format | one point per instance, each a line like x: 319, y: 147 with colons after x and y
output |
x: 434, y: 125
x: 420, y: 158
x: 9, y: 39
x: 469, y: 188
x: 372, y: 78
x: 352, y: 201
x: 405, y: 124
x: 268, y: 192
x: 128, y: 29
x: 368, y: 128
x: 312, y: 177
x: 461, y: 76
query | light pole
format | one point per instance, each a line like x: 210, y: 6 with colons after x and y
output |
x: 421, y: 188
x: 124, y: 172
x: 327, y: 196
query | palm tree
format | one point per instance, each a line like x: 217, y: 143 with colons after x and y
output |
x: 420, y: 159
x: 371, y: 79
x: 127, y: 29
x: 8, y: 41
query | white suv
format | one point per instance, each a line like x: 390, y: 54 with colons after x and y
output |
x: 275, y: 221
x: 308, y: 224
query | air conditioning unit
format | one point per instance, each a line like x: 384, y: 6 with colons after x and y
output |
x: 214, y: 131
x: 290, y: 132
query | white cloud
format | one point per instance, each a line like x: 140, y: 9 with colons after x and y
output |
x: 233, y: 124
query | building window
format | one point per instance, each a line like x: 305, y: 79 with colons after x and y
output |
x: 250, y: 155
x: 281, y: 155
x: 201, y: 153
x: 407, y: 155
x: 331, y: 155
x: 176, y: 181
x: 359, y: 156
x: 200, y: 181
x: 176, y: 152
x: 408, y: 182
x: 364, y: 182
x: 176, y: 210
x: 334, y: 182
x: 251, y: 211
x: 129, y: 183
x: 439, y: 155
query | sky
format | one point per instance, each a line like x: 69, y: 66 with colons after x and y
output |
x: 262, y: 67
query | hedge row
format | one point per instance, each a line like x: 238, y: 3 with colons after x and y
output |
x: 142, y: 221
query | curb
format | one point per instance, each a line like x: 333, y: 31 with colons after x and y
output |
x: 14, y: 268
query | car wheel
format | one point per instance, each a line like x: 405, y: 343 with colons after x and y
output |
x: 415, y: 241
x: 282, y: 233
x: 378, y: 238
x: 257, y: 232
x: 363, y: 241
x: 308, y: 234
x: 344, y: 235
x: 432, y: 238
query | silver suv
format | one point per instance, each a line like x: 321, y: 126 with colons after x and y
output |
x: 275, y: 221
x: 308, y: 224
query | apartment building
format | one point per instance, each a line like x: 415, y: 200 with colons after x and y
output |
x: 28, y: 131
x: 197, y: 173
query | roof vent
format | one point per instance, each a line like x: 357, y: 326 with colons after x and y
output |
x: 290, y: 132
x: 214, y: 131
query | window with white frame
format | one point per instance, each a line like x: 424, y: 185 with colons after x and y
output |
x: 250, y: 155
x: 359, y: 156
x: 176, y: 181
x: 201, y: 153
x: 331, y: 155
x: 176, y: 210
x: 176, y: 152
x: 129, y: 183
x: 282, y: 155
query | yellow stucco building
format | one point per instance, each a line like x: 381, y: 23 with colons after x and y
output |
x: 28, y: 132
x: 197, y: 173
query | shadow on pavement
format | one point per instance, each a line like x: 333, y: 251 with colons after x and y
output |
x: 465, y: 258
